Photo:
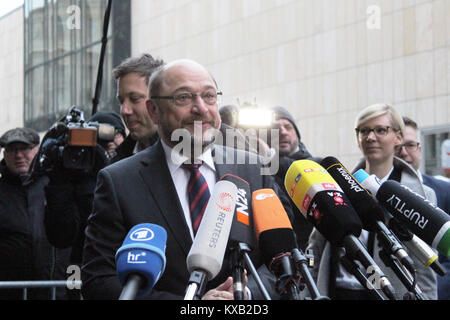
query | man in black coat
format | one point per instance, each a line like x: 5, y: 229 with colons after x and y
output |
x: 151, y: 188
x: 25, y: 253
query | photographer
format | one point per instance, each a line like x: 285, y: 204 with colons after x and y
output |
x: 25, y: 252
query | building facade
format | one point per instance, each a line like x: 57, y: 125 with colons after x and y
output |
x: 323, y: 60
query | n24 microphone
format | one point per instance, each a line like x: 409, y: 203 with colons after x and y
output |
x: 205, y: 258
x: 276, y: 240
x: 368, y: 210
x: 424, y: 219
x: 141, y: 259
x: 321, y: 200
x: 242, y: 237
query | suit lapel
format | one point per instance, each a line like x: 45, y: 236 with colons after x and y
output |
x: 156, y: 176
x: 220, y: 158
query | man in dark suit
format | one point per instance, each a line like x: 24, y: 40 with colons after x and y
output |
x: 411, y: 152
x: 151, y: 187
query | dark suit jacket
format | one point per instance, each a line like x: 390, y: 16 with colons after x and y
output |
x: 138, y: 190
x: 442, y: 190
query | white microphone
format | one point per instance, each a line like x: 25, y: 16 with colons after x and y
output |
x: 205, y: 258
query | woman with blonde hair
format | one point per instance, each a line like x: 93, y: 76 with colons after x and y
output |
x: 379, y: 129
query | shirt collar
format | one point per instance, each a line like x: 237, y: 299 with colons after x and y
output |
x: 387, y: 176
x: 175, y: 159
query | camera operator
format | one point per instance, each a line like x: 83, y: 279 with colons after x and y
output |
x: 70, y: 191
x: 112, y: 118
x: 25, y: 252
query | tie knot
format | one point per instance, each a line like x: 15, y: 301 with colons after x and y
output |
x: 192, y: 166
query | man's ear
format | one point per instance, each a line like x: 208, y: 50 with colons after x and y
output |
x: 153, y: 111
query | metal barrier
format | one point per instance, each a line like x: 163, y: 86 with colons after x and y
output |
x: 39, y: 284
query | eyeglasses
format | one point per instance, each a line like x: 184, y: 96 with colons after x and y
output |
x: 379, y: 131
x: 186, y: 98
x: 409, y: 146
x: 14, y: 149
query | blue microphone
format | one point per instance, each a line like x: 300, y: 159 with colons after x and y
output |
x: 141, y: 259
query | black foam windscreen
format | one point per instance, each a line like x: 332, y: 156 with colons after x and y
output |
x: 242, y: 227
x: 332, y: 214
x: 274, y: 242
x: 367, y: 208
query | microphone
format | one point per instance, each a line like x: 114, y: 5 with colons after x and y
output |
x: 321, y: 200
x: 424, y: 219
x: 368, y: 210
x: 205, y: 258
x: 242, y: 239
x: 276, y: 240
x: 141, y: 259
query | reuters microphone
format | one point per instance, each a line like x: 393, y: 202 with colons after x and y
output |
x: 205, y: 258
x: 321, y: 200
x: 141, y: 259
x: 276, y: 240
x: 424, y: 219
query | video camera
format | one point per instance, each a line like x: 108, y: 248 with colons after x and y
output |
x: 71, y: 143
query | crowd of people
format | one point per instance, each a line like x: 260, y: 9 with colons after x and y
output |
x: 74, y: 217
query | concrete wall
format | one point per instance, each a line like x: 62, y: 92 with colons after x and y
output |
x: 11, y: 70
x: 324, y: 60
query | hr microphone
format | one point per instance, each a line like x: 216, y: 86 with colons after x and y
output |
x: 205, y: 258
x: 321, y: 200
x: 276, y: 239
x: 424, y: 219
x: 141, y: 259
x: 368, y: 210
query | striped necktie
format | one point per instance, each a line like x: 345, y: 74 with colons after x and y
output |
x: 198, y: 194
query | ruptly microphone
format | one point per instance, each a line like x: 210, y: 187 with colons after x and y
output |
x: 368, y: 210
x: 141, y: 259
x: 321, y: 200
x: 276, y: 239
x: 423, y: 218
x: 205, y: 258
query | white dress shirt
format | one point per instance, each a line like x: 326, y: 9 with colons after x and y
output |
x: 180, y: 177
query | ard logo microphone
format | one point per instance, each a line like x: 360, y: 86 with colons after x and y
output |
x: 141, y: 259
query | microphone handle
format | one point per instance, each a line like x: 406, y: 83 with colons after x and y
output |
x: 301, y: 263
x: 238, y: 277
x: 255, y: 274
x: 129, y: 291
x: 357, y: 251
x: 196, y: 286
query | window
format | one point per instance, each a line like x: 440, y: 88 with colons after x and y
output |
x: 61, y: 63
x: 432, y: 140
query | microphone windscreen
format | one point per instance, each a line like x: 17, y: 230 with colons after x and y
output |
x: 143, y: 253
x: 272, y: 225
x: 242, y: 226
x: 321, y: 200
x: 427, y: 221
x: 367, y: 208
x: 208, y: 249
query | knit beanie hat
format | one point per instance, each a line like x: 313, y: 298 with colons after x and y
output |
x: 282, y: 113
